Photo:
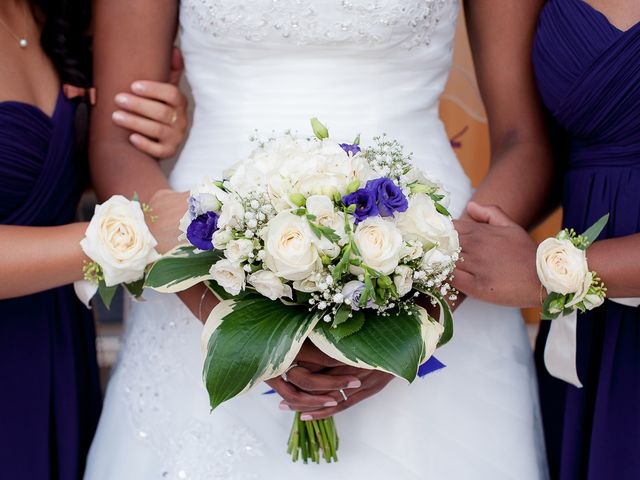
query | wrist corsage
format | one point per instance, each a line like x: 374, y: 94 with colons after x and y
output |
x: 120, y: 246
x: 563, y: 271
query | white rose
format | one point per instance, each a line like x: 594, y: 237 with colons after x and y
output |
x: 435, y: 260
x: 562, y: 267
x: 289, y: 247
x: 307, y: 285
x: 231, y: 214
x: 423, y: 222
x: 229, y: 276
x: 119, y: 240
x: 238, y: 250
x: 412, y: 250
x: 380, y: 244
x: 403, y: 280
x: 269, y: 284
x: 323, y: 209
x: 279, y: 189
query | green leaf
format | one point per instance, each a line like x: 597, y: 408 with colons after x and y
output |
x: 342, y: 315
x: 553, y: 298
x: 181, y: 269
x: 594, y: 231
x: 135, y: 288
x: 343, y: 264
x: 348, y: 326
x: 445, y: 316
x: 441, y: 209
x: 107, y: 293
x: 397, y: 344
x: 319, y: 130
x: 249, y: 341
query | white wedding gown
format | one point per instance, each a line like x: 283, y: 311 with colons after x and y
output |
x: 361, y: 66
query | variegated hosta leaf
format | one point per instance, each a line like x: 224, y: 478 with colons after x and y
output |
x: 180, y: 269
x: 249, y: 341
x: 397, y: 344
x: 446, y: 319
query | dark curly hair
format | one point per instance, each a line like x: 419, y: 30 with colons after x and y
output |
x: 65, y: 38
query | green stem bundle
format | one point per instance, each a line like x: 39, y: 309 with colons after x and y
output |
x: 308, y: 439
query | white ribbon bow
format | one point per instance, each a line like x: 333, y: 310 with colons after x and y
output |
x: 560, y: 349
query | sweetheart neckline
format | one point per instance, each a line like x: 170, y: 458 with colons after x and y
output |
x: 50, y: 117
x: 600, y: 13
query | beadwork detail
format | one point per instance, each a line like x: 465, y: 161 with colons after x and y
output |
x: 315, y: 22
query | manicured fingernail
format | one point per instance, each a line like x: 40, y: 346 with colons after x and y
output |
x: 354, y: 384
x: 284, y: 406
x: 137, y: 87
x: 121, y: 99
x: 306, y: 418
x: 118, y: 116
x: 331, y: 404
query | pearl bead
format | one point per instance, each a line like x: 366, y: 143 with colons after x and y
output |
x: 24, y: 43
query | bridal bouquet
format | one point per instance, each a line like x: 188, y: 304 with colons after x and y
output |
x: 310, y: 239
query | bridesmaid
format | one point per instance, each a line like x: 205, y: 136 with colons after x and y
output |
x: 51, y: 398
x: 587, y: 63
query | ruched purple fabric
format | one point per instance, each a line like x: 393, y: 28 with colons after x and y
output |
x: 50, y: 393
x: 588, y: 73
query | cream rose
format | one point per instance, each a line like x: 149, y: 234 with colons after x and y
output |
x: 423, y: 222
x: 270, y: 285
x: 380, y: 244
x: 322, y: 184
x: 403, y: 280
x: 290, y: 250
x: 562, y: 267
x: 119, y: 240
x: 323, y: 209
x: 229, y: 276
x: 237, y: 250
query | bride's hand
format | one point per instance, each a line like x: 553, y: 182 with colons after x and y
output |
x: 167, y: 208
x: 309, y: 385
x: 499, y: 259
x: 155, y: 113
x: 371, y: 382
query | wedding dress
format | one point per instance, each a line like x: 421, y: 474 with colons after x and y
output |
x: 361, y: 66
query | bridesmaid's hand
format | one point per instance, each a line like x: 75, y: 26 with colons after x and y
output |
x: 499, y: 259
x: 156, y: 113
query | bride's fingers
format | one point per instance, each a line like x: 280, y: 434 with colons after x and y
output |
x: 151, y: 109
x: 318, y: 382
x: 292, y: 396
x: 165, y: 92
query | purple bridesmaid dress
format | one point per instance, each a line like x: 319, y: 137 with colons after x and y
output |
x: 588, y: 74
x: 49, y: 387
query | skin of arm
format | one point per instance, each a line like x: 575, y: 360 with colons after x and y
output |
x: 41, y: 258
x: 133, y: 40
x: 522, y: 171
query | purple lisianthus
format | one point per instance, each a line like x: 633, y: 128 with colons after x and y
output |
x: 351, y: 148
x: 388, y: 195
x: 353, y: 291
x: 201, y: 230
x: 365, y: 202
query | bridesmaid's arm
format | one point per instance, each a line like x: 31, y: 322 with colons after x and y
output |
x: 39, y: 258
x: 133, y: 40
x: 522, y: 171
x: 617, y: 262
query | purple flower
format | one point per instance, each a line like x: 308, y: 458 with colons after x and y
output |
x: 350, y: 149
x: 365, y: 202
x: 353, y: 291
x: 388, y: 195
x: 201, y: 230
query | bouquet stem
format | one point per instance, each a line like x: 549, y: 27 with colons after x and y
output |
x: 308, y: 438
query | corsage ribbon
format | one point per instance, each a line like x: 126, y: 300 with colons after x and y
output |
x: 561, y: 346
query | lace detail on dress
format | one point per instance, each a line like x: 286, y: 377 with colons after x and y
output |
x: 319, y: 22
x: 152, y: 357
